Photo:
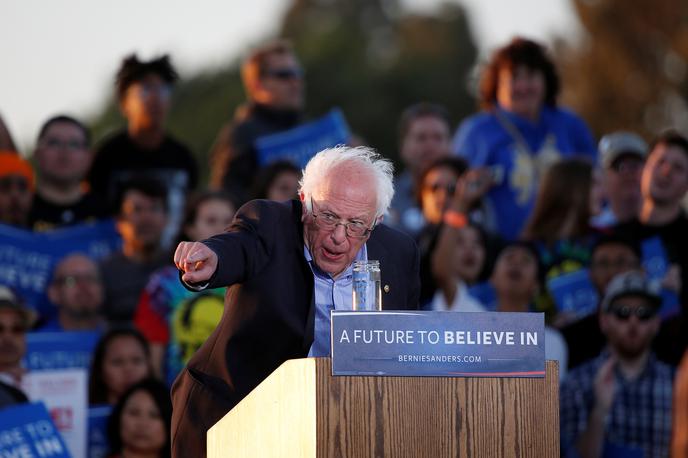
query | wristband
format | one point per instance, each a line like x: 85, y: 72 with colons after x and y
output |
x: 455, y: 219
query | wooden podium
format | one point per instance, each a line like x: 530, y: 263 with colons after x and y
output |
x: 301, y: 410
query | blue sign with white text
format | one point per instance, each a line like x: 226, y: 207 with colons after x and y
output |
x: 574, y: 293
x: 27, y: 258
x: 414, y: 343
x: 26, y: 430
x: 300, y: 144
x: 60, y: 350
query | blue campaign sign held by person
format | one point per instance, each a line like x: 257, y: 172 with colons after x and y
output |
x: 28, y: 258
x: 574, y: 293
x: 656, y: 265
x: 98, y: 446
x: 655, y: 261
x: 300, y: 144
x: 60, y: 350
x: 26, y: 430
x: 470, y: 344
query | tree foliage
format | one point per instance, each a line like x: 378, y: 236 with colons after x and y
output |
x: 630, y: 70
x: 370, y: 58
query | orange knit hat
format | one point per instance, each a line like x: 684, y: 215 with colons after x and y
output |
x: 12, y: 163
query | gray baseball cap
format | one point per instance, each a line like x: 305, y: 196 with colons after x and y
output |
x: 616, y: 144
x: 632, y: 283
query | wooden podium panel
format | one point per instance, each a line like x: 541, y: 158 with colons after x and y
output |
x: 301, y: 410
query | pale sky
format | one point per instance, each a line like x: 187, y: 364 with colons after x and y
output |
x: 60, y: 56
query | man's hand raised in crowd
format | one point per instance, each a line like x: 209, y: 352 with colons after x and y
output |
x: 470, y: 188
x: 197, y: 261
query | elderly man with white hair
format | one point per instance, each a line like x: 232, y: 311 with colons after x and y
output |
x: 287, y: 265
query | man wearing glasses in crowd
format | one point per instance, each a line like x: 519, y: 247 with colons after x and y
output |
x: 274, y: 85
x: 63, y: 158
x: 287, y: 265
x: 620, y: 403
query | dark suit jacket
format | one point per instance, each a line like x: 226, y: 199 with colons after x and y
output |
x: 269, y: 312
x: 10, y: 395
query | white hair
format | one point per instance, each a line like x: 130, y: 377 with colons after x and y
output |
x: 326, y: 161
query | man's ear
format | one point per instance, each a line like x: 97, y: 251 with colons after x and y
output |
x: 304, y: 209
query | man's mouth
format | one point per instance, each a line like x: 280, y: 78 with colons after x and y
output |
x: 331, y: 255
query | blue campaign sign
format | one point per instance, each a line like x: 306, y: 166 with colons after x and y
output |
x: 486, y: 295
x: 26, y: 430
x: 98, y: 446
x: 301, y: 143
x: 574, y: 293
x: 656, y: 264
x: 60, y: 350
x: 486, y: 344
x: 27, y: 258
x: 655, y: 261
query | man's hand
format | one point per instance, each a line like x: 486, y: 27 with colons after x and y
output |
x: 605, y: 387
x: 672, y: 279
x: 470, y: 188
x: 197, y: 261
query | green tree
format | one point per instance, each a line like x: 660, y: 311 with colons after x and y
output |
x: 629, y: 72
x: 370, y: 58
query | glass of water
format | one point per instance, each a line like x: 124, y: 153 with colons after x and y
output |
x: 367, y: 294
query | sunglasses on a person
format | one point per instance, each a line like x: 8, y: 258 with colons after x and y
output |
x: 623, y: 312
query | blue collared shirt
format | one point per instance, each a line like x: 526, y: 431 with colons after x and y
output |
x: 330, y: 294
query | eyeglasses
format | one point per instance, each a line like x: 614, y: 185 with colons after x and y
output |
x: 14, y: 181
x: 449, y: 189
x: 627, y: 165
x: 71, y: 145
x: 283, y: 73
x: 145, y: 90
x: 70, y: 281
x: 623, y: 312
x: 329, y: 221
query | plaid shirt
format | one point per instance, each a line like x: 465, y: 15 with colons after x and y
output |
x: 640, y: 416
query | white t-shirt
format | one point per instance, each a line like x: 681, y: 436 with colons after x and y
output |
x: 463, y: 302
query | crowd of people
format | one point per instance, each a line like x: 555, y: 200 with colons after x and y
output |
x: 519, y: 211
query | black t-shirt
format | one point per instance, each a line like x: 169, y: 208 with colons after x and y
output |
x: 119, y: 159
x: 584, y: 340
x: 46, y: 215
x: 124, y: 281
x: 672, y: 339
x: 673, y: 236
x: 234, y: 156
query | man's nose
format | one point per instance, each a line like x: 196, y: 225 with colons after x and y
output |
x: 339, y: 233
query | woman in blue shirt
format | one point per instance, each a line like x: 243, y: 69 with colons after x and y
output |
x: 520, y: 132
